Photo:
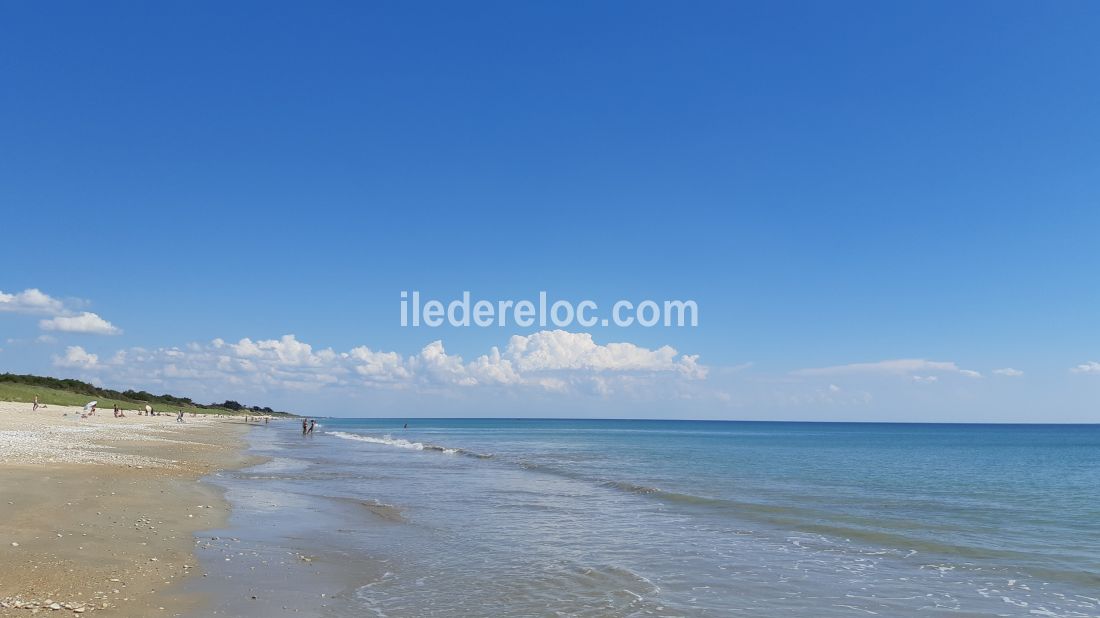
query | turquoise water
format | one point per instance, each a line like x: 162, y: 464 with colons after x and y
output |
x: 662, y: 518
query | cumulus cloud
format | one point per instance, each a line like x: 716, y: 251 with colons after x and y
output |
x: 905, y: 367
x: 1089, y: 367
x: 552, y: 361
x: 286, y: 351
x: 1008, y: 372
x: 378, y: 367
x: 31, y: 300
x: 62, y: 318
x: 77, y: 358
x: 86, y: 322
x: 560, y: 350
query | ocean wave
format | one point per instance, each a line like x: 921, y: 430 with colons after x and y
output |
x: 876, y: 532
x: 381, y: 510
x: 570, y: 589
x: 389, y: 440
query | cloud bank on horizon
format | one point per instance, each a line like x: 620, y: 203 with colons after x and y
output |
x: 554, y: 363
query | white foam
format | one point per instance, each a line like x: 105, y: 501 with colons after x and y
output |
x: 387, y: 440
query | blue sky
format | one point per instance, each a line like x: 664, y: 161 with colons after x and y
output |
x: 833, y: 183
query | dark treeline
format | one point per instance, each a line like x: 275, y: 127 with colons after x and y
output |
x: 84, y: 388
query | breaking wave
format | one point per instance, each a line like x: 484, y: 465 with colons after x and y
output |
x: 389, y: 440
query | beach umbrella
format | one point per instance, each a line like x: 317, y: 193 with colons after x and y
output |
x: 148, y: 408
x: 88, y: 406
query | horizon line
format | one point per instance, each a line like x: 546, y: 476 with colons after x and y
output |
x: 697, y: 420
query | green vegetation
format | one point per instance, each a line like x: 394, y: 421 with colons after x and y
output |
x: 58, y: 392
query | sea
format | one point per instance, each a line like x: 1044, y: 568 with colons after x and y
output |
x: 510, y: 517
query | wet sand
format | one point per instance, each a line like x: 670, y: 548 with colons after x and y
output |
x: 97, y: 515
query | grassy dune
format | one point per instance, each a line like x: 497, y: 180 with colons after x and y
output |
x: 14, y: 391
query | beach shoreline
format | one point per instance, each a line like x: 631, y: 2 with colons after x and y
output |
x: 98, y: 515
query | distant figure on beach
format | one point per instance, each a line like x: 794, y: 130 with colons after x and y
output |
x: 305, y: 426
x: 116, y: 410
x: 311, y: 424
x: 179, y: 417
x: 266, y: 419
x: 406, y: 426
x: 35, y: 408
x: 121, y: 413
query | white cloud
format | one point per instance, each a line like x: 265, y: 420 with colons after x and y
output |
x: 1008, y: 372
x: 552, y: 361
x: 76, y: 357
x: 31, y: 300
x: 562, y: 350
x: 379, y: 367
x: 905, y: 367
x: 1089, y: 367
x: 925, y: 379
x: 86, y: 322
x: 435, y: 366
x: 62, y: 318
x: 287, y: 351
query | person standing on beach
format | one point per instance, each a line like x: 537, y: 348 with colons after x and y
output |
x: 305, y: 426
x: 311, y: 424
x: 179, y: 418
x: 35, y: 408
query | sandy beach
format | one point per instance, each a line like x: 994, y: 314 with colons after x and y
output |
x: 97, y: 515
